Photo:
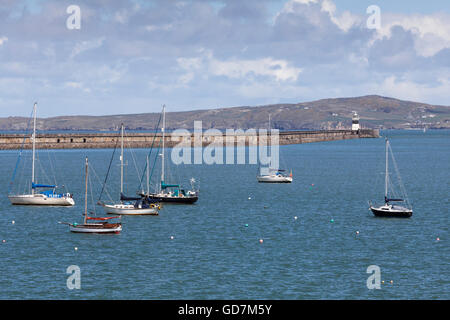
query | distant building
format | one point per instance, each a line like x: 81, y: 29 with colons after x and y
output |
x: 355, y: 121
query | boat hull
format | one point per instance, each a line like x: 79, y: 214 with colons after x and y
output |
x: 130, y: 210
x: 179, y: 200
x: 40, y: 200
x: 393, y: 213
x: 101, y: 228
x: 274, y: 179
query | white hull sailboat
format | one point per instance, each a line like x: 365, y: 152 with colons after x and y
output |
x: 389, y: 209
x: 140, y: 206
x: 131, y: 209
x: 274, y: 175
x: 45, y: 198
x: 39, y: 199
x: 274, y: 178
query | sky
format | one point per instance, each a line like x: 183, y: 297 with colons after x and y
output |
x: 133, y: 56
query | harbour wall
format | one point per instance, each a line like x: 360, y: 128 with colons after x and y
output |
x: 145, y: 140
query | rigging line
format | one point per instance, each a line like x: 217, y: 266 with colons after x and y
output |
x: 91, y: 191
x: 91, y: 168
x: 399, y: 178
x: 20, y: 152
x: 109, y: 168
x: 154, y: 161
x: 44, y: 174
x: 52, y: 167
x: 150, y: 152
x: 132, y: 155
x: 22, y: 182
x: 55, y: 168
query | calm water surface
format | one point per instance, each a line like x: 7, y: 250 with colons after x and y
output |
x: 214, y: 255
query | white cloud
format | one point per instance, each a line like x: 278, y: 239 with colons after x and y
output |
x: 410, y: 90
x: 73, y: 84
x: 289, y: 7
x: 3, y: 40
x: 123, y: 16
x: 164, y: 27
x: 277, y: 69
x: 432, y: 32
x: 83, y: 46
x: 76, y: 85
x: 344, y: 21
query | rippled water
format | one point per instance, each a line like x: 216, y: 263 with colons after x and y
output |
x: 214, y: 255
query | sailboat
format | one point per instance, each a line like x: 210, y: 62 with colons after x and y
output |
x: 101, y: 224
x: 141, y: 206
x: 389, y: 209
x: 274, y: 175
x: 48, y: 197
x: 171, y: 192
x: 277, y: 176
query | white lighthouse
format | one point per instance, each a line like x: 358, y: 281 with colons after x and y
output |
x: 355, y: 121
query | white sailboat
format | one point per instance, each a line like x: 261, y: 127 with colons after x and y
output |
x: 389, y: 209
x: 101, y: 226
x: 274, y: 175
x: 279, y: 176
x: 48, y: 197
x: 140, y: 206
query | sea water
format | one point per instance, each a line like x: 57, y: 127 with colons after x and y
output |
x: 319, y: 238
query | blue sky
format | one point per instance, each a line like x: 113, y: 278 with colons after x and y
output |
x: 132, y: 56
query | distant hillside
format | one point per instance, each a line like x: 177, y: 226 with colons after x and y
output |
x: 375, y: 112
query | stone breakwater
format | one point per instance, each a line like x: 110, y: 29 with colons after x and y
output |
x: 145, y: 140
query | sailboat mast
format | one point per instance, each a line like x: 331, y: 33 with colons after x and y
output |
x: 163, y: 129
x: 86, y: 191
x: 386, y: 177
x: 34, y: 148
x: 121, y: 164
x: 148, y: 176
